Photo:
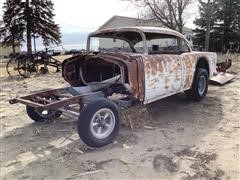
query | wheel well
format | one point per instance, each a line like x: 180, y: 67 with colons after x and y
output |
x: 203, y: 63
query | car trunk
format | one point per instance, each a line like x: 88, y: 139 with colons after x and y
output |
x: 106, y: 71
x: 97, y: 70
x: 82, y: 71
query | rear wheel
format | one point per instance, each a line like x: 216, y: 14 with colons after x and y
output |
x: 200, y: 85
x: 42, y: 115
x: 99, y: 123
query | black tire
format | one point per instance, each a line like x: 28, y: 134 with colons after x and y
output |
x: 36, y: 115
x: 27, y: 68
x: 86, y: 118
x: 11, y: 67
x: 194, y: 93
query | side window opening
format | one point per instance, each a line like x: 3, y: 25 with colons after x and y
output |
x: 166, y: 45
x: 163, y: 44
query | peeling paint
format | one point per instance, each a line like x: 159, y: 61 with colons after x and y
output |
x: 149, y: 77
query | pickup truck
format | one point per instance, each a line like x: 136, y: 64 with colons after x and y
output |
x: 122, y: 67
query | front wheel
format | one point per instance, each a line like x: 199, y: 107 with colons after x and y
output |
x: 200, y: 85
x: 99, y: 123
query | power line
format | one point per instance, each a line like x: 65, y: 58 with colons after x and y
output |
x: 77, y: 27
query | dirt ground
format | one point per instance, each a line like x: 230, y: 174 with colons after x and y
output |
x: 180, y: 139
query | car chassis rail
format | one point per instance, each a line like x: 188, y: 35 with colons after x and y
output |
x: 61, y: 98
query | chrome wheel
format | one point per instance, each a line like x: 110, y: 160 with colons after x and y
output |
x: 202, y: 84
x: 102, y: 123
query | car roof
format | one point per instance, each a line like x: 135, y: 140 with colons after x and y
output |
x: 143, y: 29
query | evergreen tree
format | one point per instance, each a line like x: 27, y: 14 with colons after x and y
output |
x: 224, y: 19
x: 44, y: 24
x: 35, y: 18
x: 229, y: 26
x: 12, y: 26
x: 41, y: 21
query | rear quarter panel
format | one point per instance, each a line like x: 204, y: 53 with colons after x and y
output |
x: 189, y: 63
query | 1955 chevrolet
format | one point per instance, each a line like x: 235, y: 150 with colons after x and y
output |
x: 122, y: 67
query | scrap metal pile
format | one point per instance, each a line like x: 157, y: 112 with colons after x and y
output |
x: 222, y: 76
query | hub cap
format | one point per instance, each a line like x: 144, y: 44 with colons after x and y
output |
x: 202, y: 84
x: 102, y: 123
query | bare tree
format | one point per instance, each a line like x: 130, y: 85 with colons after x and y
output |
x: 167, y: 12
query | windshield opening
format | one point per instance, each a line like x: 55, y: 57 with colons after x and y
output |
x: 109, y: 45
x: 112, y: 41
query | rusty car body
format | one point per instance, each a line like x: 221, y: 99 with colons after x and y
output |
x: 148, y: 64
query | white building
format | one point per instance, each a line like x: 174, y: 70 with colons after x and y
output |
x: 121, y: 21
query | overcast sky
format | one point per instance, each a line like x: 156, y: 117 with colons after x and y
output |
x: 74, y: 15
x: 79, y: 17
x: 88, y: 15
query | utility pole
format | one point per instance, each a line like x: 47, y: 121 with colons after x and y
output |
x: 207, y: 35
x: 34, y: 41
x: 29, y: 38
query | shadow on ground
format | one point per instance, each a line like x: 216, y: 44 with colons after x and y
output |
x: 176, y: 124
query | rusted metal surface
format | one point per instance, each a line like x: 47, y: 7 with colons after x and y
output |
x: 132, y: 67
x: 189, y: 63
x: 61, y: 99
x: 135, y: 72
x: 159, y: 75
x: 48, y: 92
x: 139, y: 29
x: 166, y: 75
x: 152, y: 77
x: 222, y: 78
x: 147, y: 77
x: 115, y: 33
x: 223, y: 66
x: 69, y: 71
x: 162, y: 76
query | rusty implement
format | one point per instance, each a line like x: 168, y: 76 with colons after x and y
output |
x: 222, y: 78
